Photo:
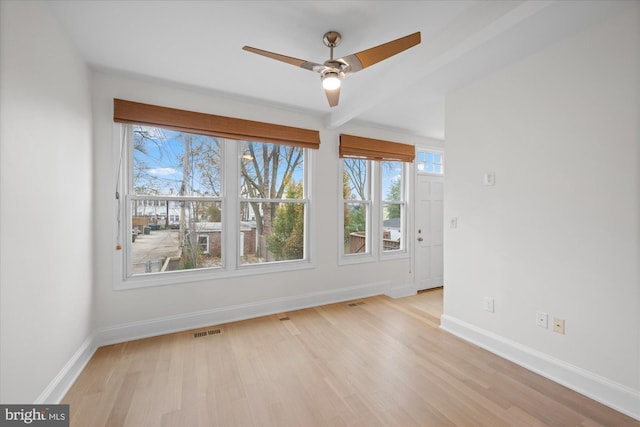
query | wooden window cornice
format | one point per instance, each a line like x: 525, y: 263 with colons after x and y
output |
x: 209, y: 124
x: 375, y: 149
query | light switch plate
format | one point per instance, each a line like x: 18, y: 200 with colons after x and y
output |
x: 542, y: 319
x: 490, y: 178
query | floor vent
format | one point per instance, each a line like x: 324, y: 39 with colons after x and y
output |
x: 352, y: 304
x: 284, y: 318
x: 206, y: 333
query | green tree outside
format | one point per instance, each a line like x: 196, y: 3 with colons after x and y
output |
x: 287, y: 239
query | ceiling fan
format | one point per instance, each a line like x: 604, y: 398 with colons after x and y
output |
x: 334, y: 70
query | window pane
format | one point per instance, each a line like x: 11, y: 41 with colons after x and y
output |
x: 192, y: 240
x: 392, y: 181
x: 203, y: 243
x: 392, y: 226
x: 433, y: 162
x: 429, y: 157
x: 355, y: 228
x: 271, y: 231
x: 354, y: 180
x: 267, y: 169
x: 167, y: 162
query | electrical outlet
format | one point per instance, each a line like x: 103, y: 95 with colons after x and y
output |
x: 542, y: 319
x: 558, y: 325
x: 488, y: 304
x: 454, y: 222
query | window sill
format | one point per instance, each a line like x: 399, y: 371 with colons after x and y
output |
x: 182, y: 277
x: 369, y: 258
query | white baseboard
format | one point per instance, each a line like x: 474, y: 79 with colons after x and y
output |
x: 62, y: 382
x: 402, y: 291
x: 614, y: 395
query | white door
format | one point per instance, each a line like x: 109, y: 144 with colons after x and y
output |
x: 429, y: 219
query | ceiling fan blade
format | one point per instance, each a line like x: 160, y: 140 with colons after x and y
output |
x: 333, y: 96
x: 307, y: 65
x: 371, y: 56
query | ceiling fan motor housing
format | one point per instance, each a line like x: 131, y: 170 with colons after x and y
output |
x: 332, y: 38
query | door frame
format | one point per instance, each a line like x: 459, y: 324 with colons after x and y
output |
x: 415, y: 200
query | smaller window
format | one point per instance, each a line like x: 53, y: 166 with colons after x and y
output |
x: 430, y: 162
x: 203, y: 243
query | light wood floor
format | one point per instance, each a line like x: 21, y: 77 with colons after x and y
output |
x: 371, y: 362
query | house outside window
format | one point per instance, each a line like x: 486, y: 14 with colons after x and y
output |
x: 356, y: 199
x: 203, y: 243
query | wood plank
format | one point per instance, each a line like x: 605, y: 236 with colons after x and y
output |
x: 371, y: 362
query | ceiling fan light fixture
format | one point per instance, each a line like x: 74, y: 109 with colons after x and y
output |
x: 331, y: 81
x: 334, y: 70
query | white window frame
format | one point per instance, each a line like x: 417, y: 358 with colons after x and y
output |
x: 306, y: 200
x: 368, y: 202
x: 230, y: 232
x: 206, y: 236
x: 375, y: 221
x: 404, y: 209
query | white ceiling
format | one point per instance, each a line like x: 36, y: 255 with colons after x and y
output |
x: 199, y: 43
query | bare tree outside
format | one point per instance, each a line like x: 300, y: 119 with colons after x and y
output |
x: 177, y: 188
x: 266, y: 170
x: 355, y: 195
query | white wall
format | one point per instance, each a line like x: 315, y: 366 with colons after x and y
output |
x: 45, y: 193
x: 559, y: 231
x: 114, y: 309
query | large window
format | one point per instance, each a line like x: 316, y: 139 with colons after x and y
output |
x: 374, y: 198
x: 179, y: 203
x: 205, y: 205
